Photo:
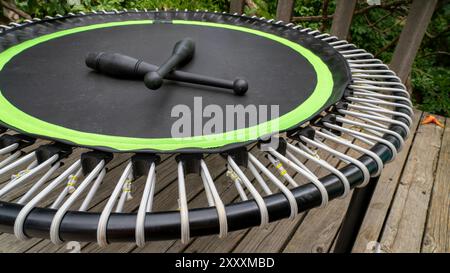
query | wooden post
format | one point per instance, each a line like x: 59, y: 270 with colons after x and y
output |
x: 284, y: 10
x: 411, y: 37
x: 237, y: 6
x: 342, y: 18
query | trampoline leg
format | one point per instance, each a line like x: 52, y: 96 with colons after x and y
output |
x: 354, y: 217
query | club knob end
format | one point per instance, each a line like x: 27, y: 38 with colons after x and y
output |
x: 153, y: 80
x: 240, y: 87
x: 92, y: 59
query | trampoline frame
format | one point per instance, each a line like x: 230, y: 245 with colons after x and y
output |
x: 387, y: 137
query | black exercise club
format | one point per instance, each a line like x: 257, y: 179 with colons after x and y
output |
x: 122, y: 66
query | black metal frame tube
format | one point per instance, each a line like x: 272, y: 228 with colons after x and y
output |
x: 354, y: 217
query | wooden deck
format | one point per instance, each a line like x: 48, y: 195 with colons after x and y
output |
x: 409, y: 212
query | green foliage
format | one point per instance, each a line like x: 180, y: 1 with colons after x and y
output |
x: 430, y: 72
x: 211, y: 5
x: 376, y: 31
x: 432, y: 86
x: 262, y: 9
x: 377, y: 37
x: 41, y: 8
x: 310, y: 8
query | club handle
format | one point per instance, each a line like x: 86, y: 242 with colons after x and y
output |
x: 239, y: 86
x: 118, y: 65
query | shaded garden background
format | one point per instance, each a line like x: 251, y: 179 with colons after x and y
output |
x: 375, y: 28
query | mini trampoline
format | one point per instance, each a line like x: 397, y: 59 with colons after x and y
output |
x: 327, y: 91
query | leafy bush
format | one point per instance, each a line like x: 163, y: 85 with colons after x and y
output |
x: 430, y: 72
x: 431, y: 87
x: 50, y: 7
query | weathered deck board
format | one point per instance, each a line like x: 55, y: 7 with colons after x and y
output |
x: 319, y: 229
x: 383, y: 195
x: 405, y: 224
x: 437, y: 231
x: 274, y: 239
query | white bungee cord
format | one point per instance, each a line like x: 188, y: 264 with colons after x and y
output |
x: 146, y: 205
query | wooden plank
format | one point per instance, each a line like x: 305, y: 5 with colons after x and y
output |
x: 237, y: 6
x: 406, y: 221
x: 411, y: 37
x: 275, y: 238
x: 317, y: 233
x: 437, y: 231
x: 285, y: 9
x: 212, y: 244
x: 319, y: 229
x: 10, y: 244
x: 384, y: 192
x: 356, y: 211
x: 342, y: 18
